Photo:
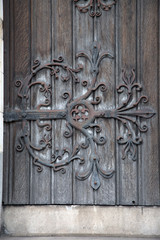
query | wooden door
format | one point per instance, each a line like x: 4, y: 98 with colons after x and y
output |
x: 81, y: 102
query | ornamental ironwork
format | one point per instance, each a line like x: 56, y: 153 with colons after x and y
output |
x: 94, y: 7
x: 80, y: 114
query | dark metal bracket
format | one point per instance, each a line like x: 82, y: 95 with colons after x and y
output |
x: 80, y: 114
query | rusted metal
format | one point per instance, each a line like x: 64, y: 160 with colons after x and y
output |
x: 32, y: 115
x: 94, y: 7
x: 129, y: 114
x: 79, y: 114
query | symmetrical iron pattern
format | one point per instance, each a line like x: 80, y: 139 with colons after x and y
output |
x: 94, y: 7
x: 80, y: 114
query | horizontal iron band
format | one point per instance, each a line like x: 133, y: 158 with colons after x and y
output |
x: 32, y: 115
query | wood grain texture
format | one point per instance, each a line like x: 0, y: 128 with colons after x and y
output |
x: 127, y: 60
x: 41, y: 50
x: 158, y: 82
x: 6, y: 101
x: 149, y: 66
x: 139, y: 77
x: 48, y: 29
x: 63, y: 47
x: 83, y: 38
x: 105, y: 35
x: 19, y: 66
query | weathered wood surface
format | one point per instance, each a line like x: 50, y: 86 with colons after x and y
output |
x: 41, y: 42
x: 62, y: 12
x: 17, y: 55
x: 6, y: 102
x: 150, y: 80
x: 45, y: 30
x: 83, y: 38
x: 127, y: 60
x: 105, y: 35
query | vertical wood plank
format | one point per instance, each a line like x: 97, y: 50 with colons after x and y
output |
x: 139, y: 77
x: 127, y: 60
x: 149, y: 53
x: 63, y: 47
x: 158, y: 82
x: 41, y: 50
x: 105, y: 35
x: 83, y: 39
x: 53, y: 36
x: 6, y: 101
x: 117, y: 162
x: 19, y: 67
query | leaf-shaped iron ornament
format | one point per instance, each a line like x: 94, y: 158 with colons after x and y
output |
x: 129, y: 114
x: 79, y: 114
x: 94, y: 7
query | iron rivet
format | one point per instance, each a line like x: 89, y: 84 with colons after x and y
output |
x: 24, y: 115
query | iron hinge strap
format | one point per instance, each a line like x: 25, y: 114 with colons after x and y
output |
x: 15, y: 116
x: 33, y: 115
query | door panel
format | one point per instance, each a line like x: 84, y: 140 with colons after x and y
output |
x: 81, y: 102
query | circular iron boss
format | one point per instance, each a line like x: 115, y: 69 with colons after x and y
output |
x: 80, y: 114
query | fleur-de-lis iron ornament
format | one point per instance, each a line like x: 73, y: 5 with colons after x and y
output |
x: 79, y: 114
x: 94, y: 7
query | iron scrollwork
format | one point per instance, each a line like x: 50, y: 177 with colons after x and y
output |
x: 94, y: 7
x: 80, y: 114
